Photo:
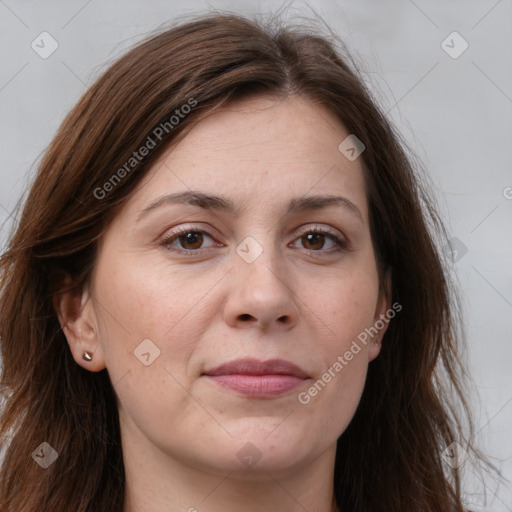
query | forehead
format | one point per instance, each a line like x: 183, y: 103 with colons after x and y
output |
x: 259, y: 151
x: 266, y: 130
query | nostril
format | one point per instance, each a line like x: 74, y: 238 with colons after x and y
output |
x: 245, y: 316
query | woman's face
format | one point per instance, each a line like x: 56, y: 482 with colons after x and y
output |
x: 243, y: 281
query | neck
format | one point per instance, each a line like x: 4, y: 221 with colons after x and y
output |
x: 156, y: 482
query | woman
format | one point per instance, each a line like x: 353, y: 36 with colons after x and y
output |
x: 223, y: 293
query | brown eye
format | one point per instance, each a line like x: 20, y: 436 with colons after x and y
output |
x: 315, y: 241
x: 186, y: 240
x: 191, y: 240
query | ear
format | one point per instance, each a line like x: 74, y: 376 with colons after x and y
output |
x: 77, y: 318
x: 381, y: 317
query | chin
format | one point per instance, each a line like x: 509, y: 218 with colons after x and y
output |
x: 261, y: 450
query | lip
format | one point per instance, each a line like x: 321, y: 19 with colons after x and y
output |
x: 258, y: 379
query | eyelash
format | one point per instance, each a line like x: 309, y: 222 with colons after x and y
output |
x: 167, y: 242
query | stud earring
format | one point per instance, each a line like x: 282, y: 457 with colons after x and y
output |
x: 87, y: 356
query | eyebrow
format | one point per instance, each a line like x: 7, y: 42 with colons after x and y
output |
x: 224, y: 204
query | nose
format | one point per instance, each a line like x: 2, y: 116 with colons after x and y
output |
x: 261, y: 295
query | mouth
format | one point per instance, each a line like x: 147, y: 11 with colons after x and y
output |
x: 258, y: 379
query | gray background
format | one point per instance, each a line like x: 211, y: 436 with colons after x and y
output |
x: 455, y: 113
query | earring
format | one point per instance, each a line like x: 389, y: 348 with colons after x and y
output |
x: 87, y: 356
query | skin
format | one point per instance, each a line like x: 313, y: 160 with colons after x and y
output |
x: 300, y: 300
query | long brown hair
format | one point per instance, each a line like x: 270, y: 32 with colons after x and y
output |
x: 390, y: 456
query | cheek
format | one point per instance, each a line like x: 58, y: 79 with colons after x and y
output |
x: 146, y: 299
x: 164, y: 307
x: 336, y: 390
x: 163, y: 314
x: 349, y: 305
x: 349, y: 308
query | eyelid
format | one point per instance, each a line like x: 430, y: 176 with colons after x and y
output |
x: 337, y: 237
x: 188, y: 227
x: 326, y: 229
x: 171, y: 237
